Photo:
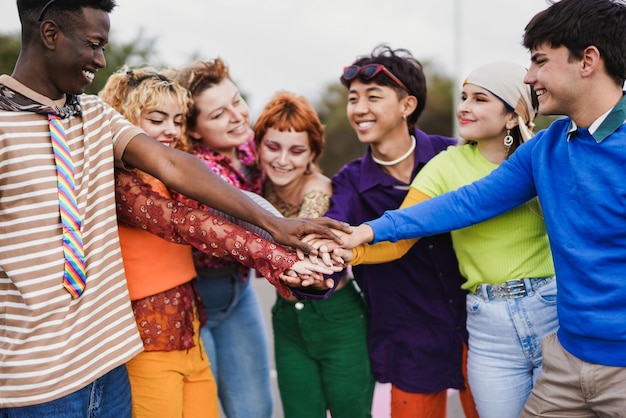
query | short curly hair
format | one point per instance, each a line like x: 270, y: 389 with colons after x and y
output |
x: 401, y: 63
x: 131, y: 91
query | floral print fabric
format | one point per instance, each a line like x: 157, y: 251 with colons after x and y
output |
x: 248, y: 178
x: 140, y: 206
x: 165, y: 320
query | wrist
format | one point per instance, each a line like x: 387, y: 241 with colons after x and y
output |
x: 369, y: 233
x: 268, y: 222
x: 365, y: 234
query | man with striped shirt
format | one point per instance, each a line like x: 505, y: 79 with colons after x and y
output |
x: 60, y: 356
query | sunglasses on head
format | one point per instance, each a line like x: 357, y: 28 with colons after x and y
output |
x: 369, y: 71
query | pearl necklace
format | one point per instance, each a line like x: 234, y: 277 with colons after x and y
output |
x: 399, y: 159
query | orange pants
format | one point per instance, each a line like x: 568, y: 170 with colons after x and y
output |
x: 431, y: 405
x: 173, y: 384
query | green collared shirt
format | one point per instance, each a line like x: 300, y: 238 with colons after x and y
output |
x: 606, y: 124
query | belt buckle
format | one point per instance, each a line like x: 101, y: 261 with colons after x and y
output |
x: 513, y: 289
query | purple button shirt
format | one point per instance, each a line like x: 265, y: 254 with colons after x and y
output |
x: 417, y: 307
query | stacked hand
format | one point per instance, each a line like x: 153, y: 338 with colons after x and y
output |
x: 330, y: 257
x: 289, y: 231
x: 310, y: 270
x: 340, y: 252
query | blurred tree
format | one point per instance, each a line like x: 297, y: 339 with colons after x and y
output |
x: 436, y: 119
x: 342, y: 145
x: 136, y: 52
x: 542, y: 122
x: 10, y: 44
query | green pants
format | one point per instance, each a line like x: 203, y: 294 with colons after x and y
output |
x: 321, y: 356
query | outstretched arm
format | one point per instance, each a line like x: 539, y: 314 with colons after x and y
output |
x: 140, y: 206
x: 385, y: 251
x: 190, y: 176
x: 259, y: 200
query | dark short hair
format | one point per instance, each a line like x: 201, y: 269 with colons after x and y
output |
x: 577, y: 24
x: 66, y: 13
x: 403, y: 65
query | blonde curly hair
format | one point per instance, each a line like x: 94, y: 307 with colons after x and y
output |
x: 131, y: 91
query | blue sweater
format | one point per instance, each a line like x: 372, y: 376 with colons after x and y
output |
x: 581, y: 183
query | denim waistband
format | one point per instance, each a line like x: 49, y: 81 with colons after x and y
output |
x: 217, y: 272
x: 511, y: 289
x: 339, y: 296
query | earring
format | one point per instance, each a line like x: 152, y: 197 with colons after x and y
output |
x: 309, y: 168
x: 404, y: 116
x: 508, y: 141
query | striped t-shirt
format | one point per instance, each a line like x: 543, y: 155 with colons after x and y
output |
x: 50, y: 344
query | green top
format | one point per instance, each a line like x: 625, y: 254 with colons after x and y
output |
x: 511, y: 246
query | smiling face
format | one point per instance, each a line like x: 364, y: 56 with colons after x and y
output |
x: 285, y: 156
x: 482, y: 116
x: 554, y: 77
x: 375, y: 111
x: 78, y: 53
x: 223, y: 121
x: 164, y: 123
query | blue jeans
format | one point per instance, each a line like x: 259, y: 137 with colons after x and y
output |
x: 235, y: 339
x: 505, y: 358
x: 106, y: 397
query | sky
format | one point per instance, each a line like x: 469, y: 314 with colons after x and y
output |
x: 303, y: 45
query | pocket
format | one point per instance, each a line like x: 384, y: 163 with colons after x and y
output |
x: 547, y: 293
x: 473, y: 304
x: 282, y: 306
x: 342, y: 306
